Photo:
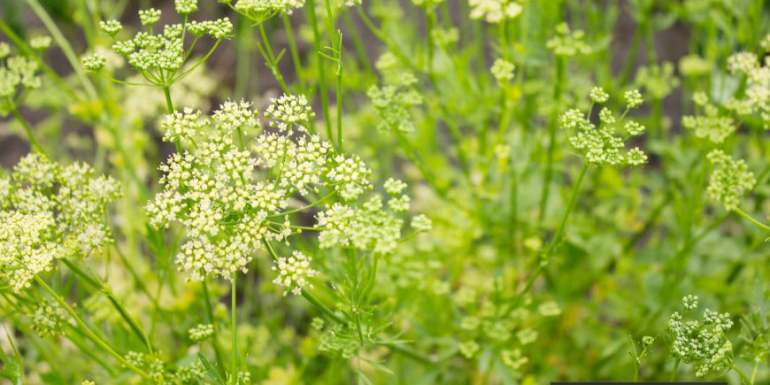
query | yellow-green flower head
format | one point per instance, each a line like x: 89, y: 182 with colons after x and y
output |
x: 293, y: 272
x: 149, y: 17
x: 494, y: 11
x: 261, y: 10
x: 17, y: 73
x: 711, y: 124
x: 185, y: 7
x: 730, y: 180
x: 604, y: 144
x: 502, y: 70
x: 702, y: 343
x: 657, y: 80
x: 40, y: 42
x: 93, y: 62
x: 48, y: 320
x: 567, y: 42
x: 160, y: 57
x: 50, y: 212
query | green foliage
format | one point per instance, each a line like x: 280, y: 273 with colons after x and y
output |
x: 384, y: 192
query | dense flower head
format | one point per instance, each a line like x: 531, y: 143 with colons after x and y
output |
x: 232, y: 192
x: 755, y: 99
x: 149, y: 16
x: 729, y: 180
x: 393, y: 103
x: 201, y: 332
x: 599, y: 95
x: 494, y: 11
x: 703, y: 343
x: 657, y: 80
x: 603, y: 143
x: 260, y: 10
x: 48, y: 319
x: 567, y: 42
x: 40, y: 42
x: 185, y: 7
x: 502, y: 70
x: 293, y: 272
x: 111, y: 27
x: 93, y: 62
x: 290, y: 112
x: 17, y: 73
x: 49, y: 212
x: 160, y: 57
x: 711, y: 123
x: 368, y: 227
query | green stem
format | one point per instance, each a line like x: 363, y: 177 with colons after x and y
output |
x: 133, y: 325
x: 744, y: 379
x: 28, y: 131
x: 321, y: 68
x: 87, y: 329
x: 553, y: 123
x: 294, y: 51
x: 570, y: 207
x: 234, y: 327
x: 751, y: 219
x: 267, y: 53
x: 66, y: 48
x: 210, y: 319
x: 675, y: 372
x: 169, y: 103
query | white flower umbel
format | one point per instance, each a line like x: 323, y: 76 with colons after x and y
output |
x: 230, y: 191
x: 49, y: 212
x: 293, y: 272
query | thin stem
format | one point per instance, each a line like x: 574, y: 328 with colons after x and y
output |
x: 321, y: 68
x: 210, y: 319
x: 558, y: 89
x: 87, y: 329
x: 555, y: 241
x: 744, y: 379
x: 294, y: 51
x: 751, y: 219
x: 135, y: 328
x: 266, y: 50
x: 675, y: 372
x: 27, y: 131
x: 234, y: 327
x: 169, y: 102
x: 570, y: 206
x: 66, y: 48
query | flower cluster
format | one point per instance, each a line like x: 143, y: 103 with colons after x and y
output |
x: 730, y: 180
x: 502, y: 70
x: 261, y: 10
x: 93, y: 62
x: 17, y: 73
x: 49, y: 212
x: 201, y: 332
x: 160, y: 57
x: 394, y: 101
x: 711, y: 124
x: 602, y: 144
x: 40, y: 43
x: 703, y: 344
x: 756, y: 97
x: 293, y: 272
x: 231, y: 197
x: 657, y: 80
x: 494, y: 11
x: 48, y: 320
x: 567, y: 42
